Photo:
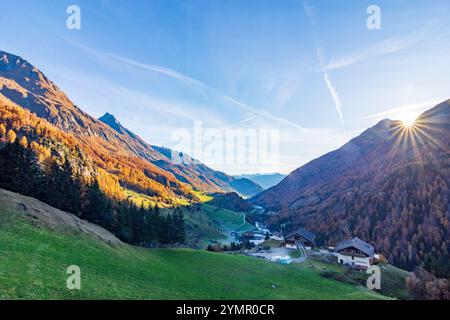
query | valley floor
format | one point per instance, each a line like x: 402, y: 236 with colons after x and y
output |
x: 34, y: 261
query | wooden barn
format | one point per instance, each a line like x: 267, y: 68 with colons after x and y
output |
x: 355, y: 252
x: 300, y: 235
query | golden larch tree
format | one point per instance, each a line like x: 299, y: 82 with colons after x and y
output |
x: 2, y: 130
x: 24, y: 142
x: 11, y: 136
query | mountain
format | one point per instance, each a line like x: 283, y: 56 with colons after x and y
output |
x: 123, y: 155
x: 264, y: 180
x: 189, y: 170
x: 121, y: 158
x: 388, y: 186
x: 183, y: 167
x: 111, y: 121
x: 246, y: 187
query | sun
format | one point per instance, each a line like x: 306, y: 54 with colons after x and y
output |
x: 408, y: 119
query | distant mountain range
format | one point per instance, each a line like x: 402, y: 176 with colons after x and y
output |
x: 122, y: 155
x: 264, y: 180
x: 247, y: 188
x: 389, y: 186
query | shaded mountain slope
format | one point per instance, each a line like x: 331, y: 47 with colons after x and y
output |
x: 389, y: 186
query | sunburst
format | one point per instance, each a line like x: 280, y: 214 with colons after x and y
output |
x: 417, y: 136
x: 408, y: 119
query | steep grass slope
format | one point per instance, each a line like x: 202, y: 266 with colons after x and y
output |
x: 34, y: 260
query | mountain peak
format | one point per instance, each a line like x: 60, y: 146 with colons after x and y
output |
x: 111, y: 121
x: 385, y: 123
x: 108, y: 116
x: 10, y: 61
x: 27, y: 76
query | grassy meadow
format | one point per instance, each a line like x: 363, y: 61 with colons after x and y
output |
x: 33, y: 263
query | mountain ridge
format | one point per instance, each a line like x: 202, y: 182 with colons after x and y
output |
x: 265, y: 180
x: 186, y: 164
x: 388, y: 186
x: 29, y: 88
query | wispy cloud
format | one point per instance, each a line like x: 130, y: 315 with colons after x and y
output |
x: 416, y: 108
x: 309, y: 11
x: 264, y: 113
x: 159, y: 69
x: 385, y: 47
x: 191, y: 82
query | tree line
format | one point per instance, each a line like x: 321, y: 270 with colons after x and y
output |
x: 59, y: 185
x: 234, y: 246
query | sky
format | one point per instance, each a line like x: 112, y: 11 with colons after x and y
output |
x: 295, y: 79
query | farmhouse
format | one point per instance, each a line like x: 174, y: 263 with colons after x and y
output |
x: 355, y: 252
x: 299, y: 236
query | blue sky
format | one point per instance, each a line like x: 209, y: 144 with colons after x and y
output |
x: 310, y: 69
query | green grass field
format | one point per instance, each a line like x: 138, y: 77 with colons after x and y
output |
x: 201, y: 229
x: 33, y: 262
x: 227, y: 219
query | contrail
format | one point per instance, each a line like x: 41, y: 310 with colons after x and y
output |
x: 309, y: 11
x: 191, y: 82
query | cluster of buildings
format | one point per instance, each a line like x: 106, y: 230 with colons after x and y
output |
x: 352, y: 252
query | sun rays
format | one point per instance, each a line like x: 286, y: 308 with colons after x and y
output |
x: 408, y: 120
x: 415, y: 139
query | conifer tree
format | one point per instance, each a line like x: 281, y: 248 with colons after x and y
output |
x: 19, y: 171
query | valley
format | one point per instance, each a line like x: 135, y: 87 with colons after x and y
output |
x: 90, y: 192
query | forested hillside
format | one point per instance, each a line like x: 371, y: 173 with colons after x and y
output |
x: 389, y: 186
x: 41, y: 161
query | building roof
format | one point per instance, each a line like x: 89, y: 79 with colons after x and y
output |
x: 308, y: 235
x: 358, y: 244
